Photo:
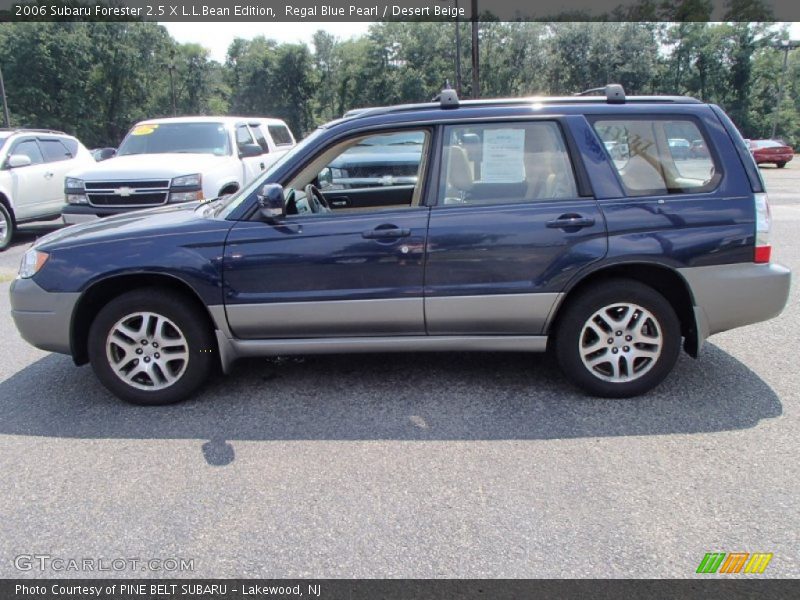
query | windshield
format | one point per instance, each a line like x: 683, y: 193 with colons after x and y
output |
x: 171, y: 138
x: 767, y: 144
x: 225, y: 209
x: 3, y: 138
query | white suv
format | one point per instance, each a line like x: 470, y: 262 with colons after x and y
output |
x: 33, y: 164
x: 182, y: 159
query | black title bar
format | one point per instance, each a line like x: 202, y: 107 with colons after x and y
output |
x: 400, y: 10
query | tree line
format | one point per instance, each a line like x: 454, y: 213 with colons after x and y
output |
x: 95, y: 79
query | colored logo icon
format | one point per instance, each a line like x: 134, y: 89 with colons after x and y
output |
x: 734, y: 562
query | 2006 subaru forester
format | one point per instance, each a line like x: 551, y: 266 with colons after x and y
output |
x: 479, y: 225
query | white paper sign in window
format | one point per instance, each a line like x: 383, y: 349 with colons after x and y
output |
x: 503, y: 155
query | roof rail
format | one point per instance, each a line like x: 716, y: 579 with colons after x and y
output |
x: 615, y: 94
x: 28, y: 130
x: 447, y: 98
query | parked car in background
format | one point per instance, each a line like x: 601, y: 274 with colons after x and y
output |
x: 679, y: 147
x: 390, y: 162
x: 169, y: 161
x: 771, y: 151
x: 33, y: 164
x: 698, y: 149
x: 518, y: 233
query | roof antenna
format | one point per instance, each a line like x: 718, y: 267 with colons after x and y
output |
x: 447, y: 98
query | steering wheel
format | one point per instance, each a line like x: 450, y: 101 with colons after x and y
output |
x: 316, y: 200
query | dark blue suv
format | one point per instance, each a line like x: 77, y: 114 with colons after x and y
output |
x: 576, y: 224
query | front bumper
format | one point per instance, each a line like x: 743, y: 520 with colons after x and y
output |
x: 43, y: 318
x: 729, y: 296
x: 72, y: 214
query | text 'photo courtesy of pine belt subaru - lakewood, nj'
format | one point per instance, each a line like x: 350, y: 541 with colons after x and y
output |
x: 518, y: 231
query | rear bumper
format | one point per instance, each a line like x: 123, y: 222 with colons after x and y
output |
x: 774, y: 158
x: 730, y: 296
x: 43, y: 318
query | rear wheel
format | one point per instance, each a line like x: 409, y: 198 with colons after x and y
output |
x: 618, y: 340
x: 6, y: 227
x: 151, y: 346
x: 780, y: 165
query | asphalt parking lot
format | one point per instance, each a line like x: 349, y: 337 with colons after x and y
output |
x: 442, y: 465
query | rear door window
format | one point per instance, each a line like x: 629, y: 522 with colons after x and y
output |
x: 659, y: 156
x: 54, y: 151
x: 503, y: 163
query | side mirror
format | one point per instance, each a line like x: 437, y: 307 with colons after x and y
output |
x: 325, y: 178
x: 105, y: 154
x: 18, y: 160
x: 250, y: 150
x: 270, y: 200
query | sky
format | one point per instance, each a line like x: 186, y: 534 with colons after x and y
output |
x: 218, y: 36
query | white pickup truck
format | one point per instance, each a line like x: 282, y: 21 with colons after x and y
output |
x: 182, y: 159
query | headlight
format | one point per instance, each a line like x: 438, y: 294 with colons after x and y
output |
x: 185, y: 196
x: 194, y: 180
x: 32, y: 261
x: 74, y: 191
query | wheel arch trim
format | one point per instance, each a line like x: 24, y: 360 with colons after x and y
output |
x: 79, y: 326
x: 693, y: 326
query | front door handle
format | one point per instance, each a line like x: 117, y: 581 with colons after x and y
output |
x: 571, y: 222
x: 48, y: 175
x: 386, y: 233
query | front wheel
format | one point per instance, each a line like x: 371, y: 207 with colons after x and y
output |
x: 6, y: 227
x: 151, y: 346
x: 618, y: 340
x: 780, y: 165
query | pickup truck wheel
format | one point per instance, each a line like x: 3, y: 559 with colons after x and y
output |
x: 618, y: 340
x: 6, y: 227
x: 150, y: 346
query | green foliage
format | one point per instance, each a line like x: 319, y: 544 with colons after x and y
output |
x: 96, y: 79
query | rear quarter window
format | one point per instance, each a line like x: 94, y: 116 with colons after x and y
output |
x: 659, y: 156
x: 280, y: 135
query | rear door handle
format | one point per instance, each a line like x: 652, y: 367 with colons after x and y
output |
x: 386, y: 233
x: 570, y: 221
x: 48, y: 175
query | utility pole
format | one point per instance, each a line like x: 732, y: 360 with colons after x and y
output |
x: 6, y: 120
x: 171, y: 69
x: 458, y: 52
x: 476, y: 82
x: 458, y: 46
x: 784, y: 45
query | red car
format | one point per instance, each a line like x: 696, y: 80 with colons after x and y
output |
x: 771, y: 151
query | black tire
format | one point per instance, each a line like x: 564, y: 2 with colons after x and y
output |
x: 780, y: 165
x: 7, y: 227
x: 185, y: 322
x: 571, y: 336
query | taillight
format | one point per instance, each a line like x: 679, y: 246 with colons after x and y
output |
x: 763, y: 223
